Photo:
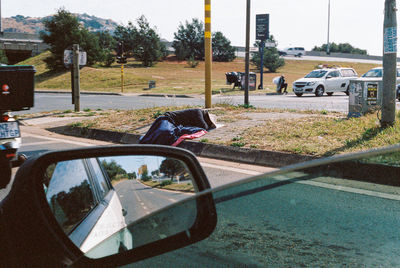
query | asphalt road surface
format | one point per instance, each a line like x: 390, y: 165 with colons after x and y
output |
x: 50, y: 102
x: 273, y: 224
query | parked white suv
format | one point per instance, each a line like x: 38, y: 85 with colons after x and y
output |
x: 327, y: 80
x: 294, y: 51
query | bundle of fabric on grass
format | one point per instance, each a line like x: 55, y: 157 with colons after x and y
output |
x: 173, y: 127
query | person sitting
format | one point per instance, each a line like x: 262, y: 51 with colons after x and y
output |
x: 282, y: 85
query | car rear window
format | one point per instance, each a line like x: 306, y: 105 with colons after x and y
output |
x: 348, y: 73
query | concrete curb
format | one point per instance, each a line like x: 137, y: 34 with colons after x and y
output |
x: 228, y: 153
x: 117, y: 94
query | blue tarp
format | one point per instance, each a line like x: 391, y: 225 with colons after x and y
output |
x: 165, y: 131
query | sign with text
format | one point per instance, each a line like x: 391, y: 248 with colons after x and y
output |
x: 372, y: 93
x: 68, y: 58
x: 262, y: 27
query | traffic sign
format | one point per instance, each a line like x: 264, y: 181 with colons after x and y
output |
x: 68, y: 58
x: 262, y: 27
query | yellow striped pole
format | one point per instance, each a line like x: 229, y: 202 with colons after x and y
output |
x: 208, y: 52
x: 122, y: 78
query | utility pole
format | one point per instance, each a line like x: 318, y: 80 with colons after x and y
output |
x: 389, y: 64
x: 329, y: 24
x: 208, y: 52
x: 247, y: 56
x: 76, y: 87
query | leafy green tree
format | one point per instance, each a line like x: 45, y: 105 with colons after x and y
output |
x: 141, y: 42
x: 107, y: 44
x: 189, y: 40
x: 222, y: 49
x: 127, y: 35
x: 149, y: 48
x: 113, y: 169
x: 171, y: 167
x: 64, y: 30
x: 145, y: 175
x: 341, y: 48
x: 271, y: 58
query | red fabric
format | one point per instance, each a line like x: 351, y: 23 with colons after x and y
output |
x: 190, y: 137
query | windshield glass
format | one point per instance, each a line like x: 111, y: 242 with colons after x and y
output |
x: 321, y: 216
x: 373, y: 73
x: 377, y: 73
x: 316, y: 74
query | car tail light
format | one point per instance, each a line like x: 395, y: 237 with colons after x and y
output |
x: 5, y: 89
x: 5, y: 118
x: 9, y: 156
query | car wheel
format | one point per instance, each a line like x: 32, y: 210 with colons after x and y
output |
x: 329, y: 93
x: 347, y: 91
x: 299, y: 94
x: 319, y: 91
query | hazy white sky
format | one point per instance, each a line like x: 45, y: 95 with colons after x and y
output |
x: 292, y: 22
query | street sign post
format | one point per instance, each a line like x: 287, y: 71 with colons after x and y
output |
x: 262, y: 34
x: 73, y: 60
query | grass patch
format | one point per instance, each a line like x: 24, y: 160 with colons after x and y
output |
x: 172, y: 77
x: 169, y: 185
x: 318, y: 133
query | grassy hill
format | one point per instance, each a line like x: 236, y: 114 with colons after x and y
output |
x: 171, y: 76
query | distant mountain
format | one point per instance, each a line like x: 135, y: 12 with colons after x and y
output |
x: 21, y: 24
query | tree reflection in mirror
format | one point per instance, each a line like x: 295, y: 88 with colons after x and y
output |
x: 112, y: 204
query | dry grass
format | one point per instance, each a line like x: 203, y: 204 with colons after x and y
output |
x: 317, y: 133
x: 174, y: 77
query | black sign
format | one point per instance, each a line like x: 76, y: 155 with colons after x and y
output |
x: 262, y: 27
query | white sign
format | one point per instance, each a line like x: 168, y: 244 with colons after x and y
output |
x: 270, y: 44
x: 390, y: 40
x: 68, y: 58
x: 254, y: 49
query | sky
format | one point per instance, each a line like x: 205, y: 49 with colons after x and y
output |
x: 292, y: 22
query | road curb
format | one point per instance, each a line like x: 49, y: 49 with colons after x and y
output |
x: 117, y: 94
x: 82, y: 92
x: 228, y: 153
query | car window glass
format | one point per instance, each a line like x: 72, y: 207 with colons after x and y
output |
x: 348, y: 73
x: 69, y: 193
x: 373, y: 73
x: 100, y: 177
x: 301, y: 219
x: 316, y: 74
x: 334, y: 74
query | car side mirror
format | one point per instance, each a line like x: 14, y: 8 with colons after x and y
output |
x: 329, y: 77
x: 111, y: 205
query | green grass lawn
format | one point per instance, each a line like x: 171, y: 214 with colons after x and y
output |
x: 171, y: 76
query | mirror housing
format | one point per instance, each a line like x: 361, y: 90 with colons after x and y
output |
x: 34, y: 237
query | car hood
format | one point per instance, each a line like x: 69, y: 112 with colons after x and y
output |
x: 305, y: 80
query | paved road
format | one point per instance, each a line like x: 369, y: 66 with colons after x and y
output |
x: 49, y: 102
x: 140, y: 200
x: 281, y: 225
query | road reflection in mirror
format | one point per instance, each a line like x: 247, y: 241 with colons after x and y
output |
x: 112, y: 204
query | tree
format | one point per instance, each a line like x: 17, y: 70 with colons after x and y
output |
x: 271, y: 58
x: 222, y: 49
x: 64, y: 30
x: 145, y: 175
x: 141, y: 42
x: 127, y: 35
x: 148, y: 47
x: 341, y: 48
x: 113, y: 169
x: 108, y: 44
x: 171, y: 167
x: 189, y: 40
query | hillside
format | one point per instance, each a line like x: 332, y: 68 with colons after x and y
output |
x: 21, y: 24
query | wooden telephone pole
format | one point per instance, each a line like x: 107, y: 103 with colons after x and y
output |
x: 389, y: 64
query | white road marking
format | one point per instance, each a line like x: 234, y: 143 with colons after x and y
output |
x: 171, y: 199
x: 313, y: 183
x: 238, y: 170
x: 59, y: 140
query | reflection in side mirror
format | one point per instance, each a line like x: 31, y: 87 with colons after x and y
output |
x: 113, y: 204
